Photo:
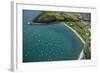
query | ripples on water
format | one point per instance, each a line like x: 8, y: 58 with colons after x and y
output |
x: 53, y: 42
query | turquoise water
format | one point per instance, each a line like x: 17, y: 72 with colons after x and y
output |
x: 48, y: 42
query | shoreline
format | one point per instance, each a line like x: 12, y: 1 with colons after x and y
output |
x: 82, y: 53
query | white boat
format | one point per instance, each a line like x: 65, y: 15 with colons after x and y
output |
x: 29, y: 23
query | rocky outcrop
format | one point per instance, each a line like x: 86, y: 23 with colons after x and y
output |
x: 85, y: 16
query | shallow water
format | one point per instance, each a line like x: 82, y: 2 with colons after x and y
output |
x: 51, y: 42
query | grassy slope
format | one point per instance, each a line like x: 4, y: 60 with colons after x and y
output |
x: 47, y: 17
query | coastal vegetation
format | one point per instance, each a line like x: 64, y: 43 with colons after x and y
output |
x: 51, y: 16
x: 72, y: 19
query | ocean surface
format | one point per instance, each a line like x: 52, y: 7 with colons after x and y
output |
x: 48, y: 42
